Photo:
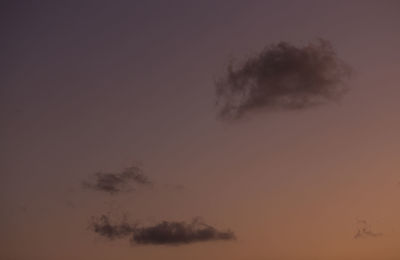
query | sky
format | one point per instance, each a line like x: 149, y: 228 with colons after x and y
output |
x: 240, y: 130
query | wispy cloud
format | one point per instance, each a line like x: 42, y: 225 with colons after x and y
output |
x: 364, y: 230
x: 104, y: 228
x: 282, y: 77
x: 113, y: 183
x: 163, y: 233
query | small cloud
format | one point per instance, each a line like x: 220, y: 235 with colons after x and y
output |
x: 104, y: 228
x: 282, y: 77
x: 164, y: 233
x: 116, y: 182
x: 176, y: 233
x: 364, y: 230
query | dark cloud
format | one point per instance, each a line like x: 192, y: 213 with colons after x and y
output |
x: 282, y: 77
x: 164, y: 233
x: 175, y: 233
x: 116, y: 182
x: 364, y: 230
x: 104, y: 228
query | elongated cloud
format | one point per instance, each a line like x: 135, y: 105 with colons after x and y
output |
x: 116, y: 182
x: 282, y: 77
x: 164, y: 233
x: 175, y: 233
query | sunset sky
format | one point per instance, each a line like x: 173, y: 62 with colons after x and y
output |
x: 260, y: 130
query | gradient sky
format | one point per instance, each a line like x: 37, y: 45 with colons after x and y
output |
x: 89, y: 86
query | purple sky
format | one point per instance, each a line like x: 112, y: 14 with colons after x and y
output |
x: 99, y: 86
